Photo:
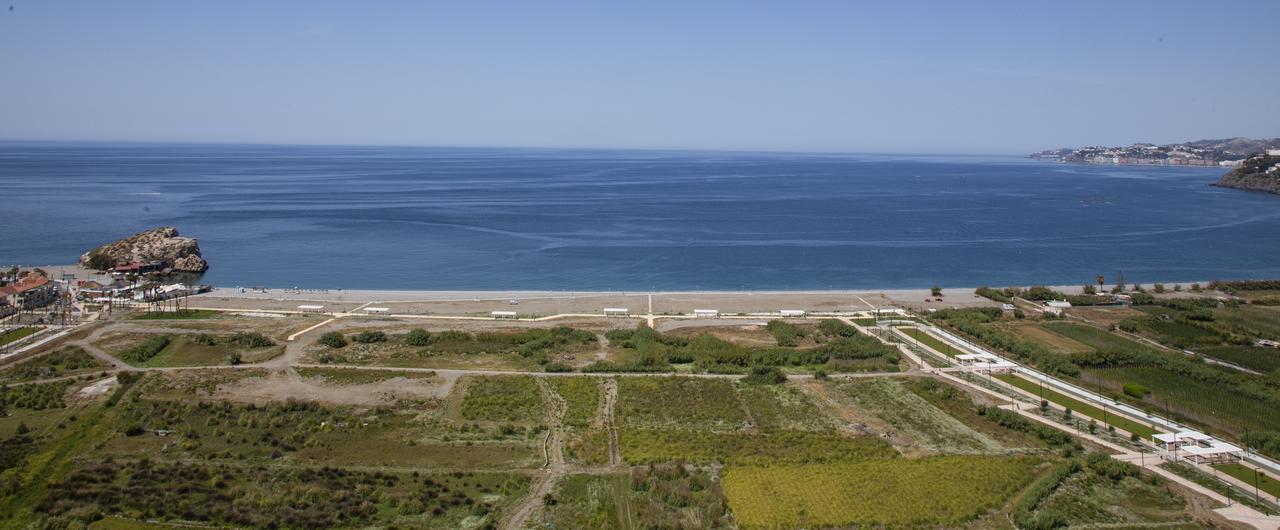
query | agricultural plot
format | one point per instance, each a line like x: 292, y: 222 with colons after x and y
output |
x: 1079, y: 407
x: 927, y: 427
x: 503, y: 399
x: 647, y: 446
x: 962, y: 406
x: 663, y: 496
x: 1087, y: 498
x: 1265, y: 360
x: 1099, y: 339
x: 68, y: 360
x: 1219, y: 406
x: 684, y: 402
x: 1055, y: 342
x: 214, y: 493
x: 1263, y: 319
x: 941, y: 491
x: 783, y: 408
x: 18, y: 334
x: 581, y: 396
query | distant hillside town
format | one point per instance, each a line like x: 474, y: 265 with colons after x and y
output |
x: 1226, y: 153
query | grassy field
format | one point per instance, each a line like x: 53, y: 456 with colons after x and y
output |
x: 1246, y: 474
x: 186, y: 314
x: 208, y: 350
x: 686, y: 402
x: 1055, y: 342
x: 581, y: 396
x: 68, y: 360
x: 1079, y: 407
x: 1089, y: 499
x: 503, y: 399
x: 928, y: 427
x: 783, y: 407
x: 878, y: 493
x: 930, y: 341
x: 961, y: 406
x: 645, y: 446
x: 18, y: 334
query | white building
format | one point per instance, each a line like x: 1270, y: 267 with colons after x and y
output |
x: 706, y: 313
x: 616, y: 311
x: 377, y: 310
x: 985, y: 362
x: 1196, y: 447
x: 792, y: 313
x: 503, y: 314
x: 311, y: 308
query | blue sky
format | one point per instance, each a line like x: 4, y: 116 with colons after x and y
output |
x: 902, y: 77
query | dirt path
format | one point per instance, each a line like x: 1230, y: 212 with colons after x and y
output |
x: 607, y: 420
x: 553, y: 467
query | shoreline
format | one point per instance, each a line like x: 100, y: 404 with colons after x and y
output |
x: 482, y: 295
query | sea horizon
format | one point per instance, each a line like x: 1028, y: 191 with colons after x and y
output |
x: 504, y: 219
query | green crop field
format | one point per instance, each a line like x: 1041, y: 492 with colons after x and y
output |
x: 1263, y: 319
x: 645, y: 446
x: 680, y: 401
x: 878, y: 493
x: 1097, y: 338
x: 1265, y: 360
x: 1080, y: 407
x: 1219, y: 406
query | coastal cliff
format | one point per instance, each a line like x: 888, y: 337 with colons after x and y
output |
x: 179, y: 254
x: 1260, y: 173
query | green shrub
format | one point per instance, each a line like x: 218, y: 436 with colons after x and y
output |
x: 145, y: 350
x: 417, y: 337
x: 332, y: 339
x: 784, y: 333
x: 1135, y: 390
x: 251, y: 340
x: 557, y: 367
x: 369, y: 337
x: 765, y: 375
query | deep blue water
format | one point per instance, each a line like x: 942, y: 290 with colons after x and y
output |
x: 446, y: 218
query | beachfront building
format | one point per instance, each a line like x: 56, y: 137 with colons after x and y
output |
x: 376, y: 310
x: 138, y: 267
x: 497, y: 315
x: 30, y: 292
x: 1196, y: 447
x: 706, y: 313
x: 310, y: 308
x: 616, y: 311
x: 792, y: 313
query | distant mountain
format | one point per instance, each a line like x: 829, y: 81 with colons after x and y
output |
x: 1259, y: 173
x: 1226, y: 152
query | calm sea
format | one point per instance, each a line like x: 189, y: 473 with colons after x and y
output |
x: 448, y: 218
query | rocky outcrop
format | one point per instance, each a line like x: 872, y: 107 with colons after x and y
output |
x: 1260, y: 173
x: 179, y: 254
